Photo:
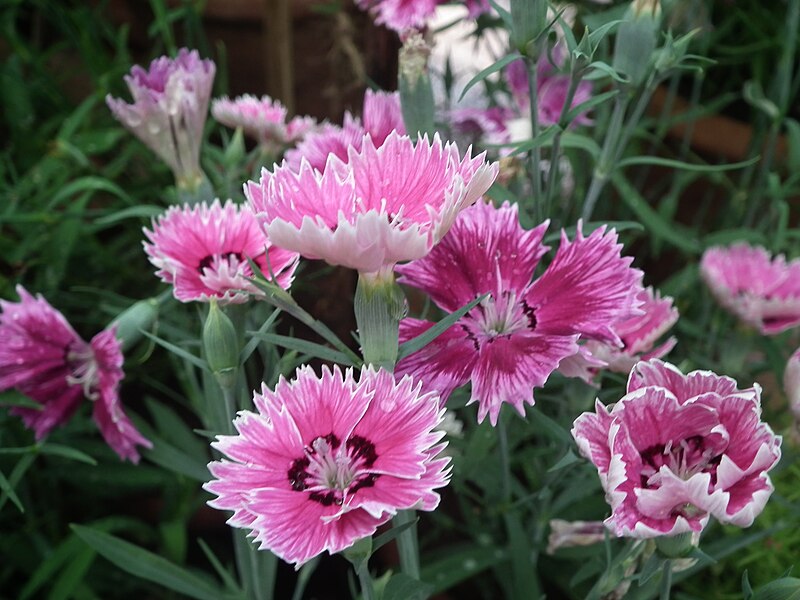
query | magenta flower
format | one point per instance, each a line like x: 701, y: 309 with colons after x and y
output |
x: 677, y: 449
x: 639, y: 334
x: 325, y: 460
x: 381, y: 115
x: 385, y: 205
x: 263, y: 119
x: 400, y: 15
x: 170, y: 102
x: 513, y: 340
x: 763, y: 292
x: 202, y: 251
x: 43, y: 358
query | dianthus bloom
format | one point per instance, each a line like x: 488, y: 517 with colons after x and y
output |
x: 385, y: 205
x: 325, y: 460
x: 677, y: 449
x: 763, y: 292
x: 263, y: 119
x: 202, y: 251
x: 638, y: 334
x: 381, y: 116
x: 46, y: 360
x: 514, y: 339
x: 170, y: 102
x: 400, y: 15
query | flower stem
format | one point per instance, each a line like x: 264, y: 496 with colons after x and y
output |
x: 407, y: 544
x: 666, y: 580
x: 536, y: 152
x: 505, y: 463
x: 379, y: 306
x: 364, y: 578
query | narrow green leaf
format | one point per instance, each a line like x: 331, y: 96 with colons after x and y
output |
x: 549, y: 427
x: 583, y: 107
x: 143, y: 563
x: 388, y: 536
x: 72, y: 575
x: 90, y: 183
x: 251, y: 345
x: 679, y: 237
x: 228, y: 579
x: 49, y: 566
x: 142, y: 211
x: 493, y: 68
x: 67, y: 452
x: 579, y: 141
x: 172, y: 426
x: 14, y: 398
x: 543, y: 140
x: 405, y: 587
x: 304, y: 346
x: 431, y: 334
x: 8, y: 491
x: 188, y: 356
x: 568, y: 459
x: 459, y: 564
x: 683, y: 166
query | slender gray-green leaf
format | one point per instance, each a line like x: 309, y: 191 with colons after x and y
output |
x: 459, y: 564
x: 431, y: 334
x: 684, y: 166
x: 493, y: 68
x: 147, y: 565
x: 188, y: 356
x: 304, y: 346
x: 142, y: 211
x: 405, y: 587
x: 8, y: 490
x: 67, y: 452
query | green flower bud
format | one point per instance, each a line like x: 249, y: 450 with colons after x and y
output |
x: 676, y: 546
x: 529, y: 18
x: 130, y: 323
x: 221, y: 344
x: 414, y: 83
x: 636, y: 40
x: 780, y: 589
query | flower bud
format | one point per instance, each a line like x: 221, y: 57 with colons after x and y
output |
x: 636, y: 39
x: 529, y: 18
x: 785, y: 587
x: 130, y: 323
x: 677, y: 546
x: 221, y: 346
x: 414, y: 83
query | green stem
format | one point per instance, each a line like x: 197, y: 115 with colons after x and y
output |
x: 536, y: 152
x: 379, y: 305
x: 364, y: 578
x: 555, y: 152
x: 257, y: 568
x: 505, y: 463
x: 666, y: 580
x: 407, y: 544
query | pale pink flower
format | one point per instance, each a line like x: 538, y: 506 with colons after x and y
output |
x: 514, y: 339
x: 763, y: 292
x: 639, y: 334
x: 386, y: 204
x: 325, y: 460
x: 263, y: 119
x: 400, y: 15
x: 42, y: 357
x: 203, y: 250
x: 380, y: 116
x: 485, y: 125
x: 677, y: 449
x: 170, y: 102
x: 791, y: 383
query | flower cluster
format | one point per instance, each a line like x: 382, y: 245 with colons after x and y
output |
x: 677, y: 449
x: 325, y: 460
x: 46, y: 360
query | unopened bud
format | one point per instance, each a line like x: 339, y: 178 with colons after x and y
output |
x: 567, y: 534
x: 414, y: 83
x: 529, y: 19
x: 221, y: 346
x: 636, y: 39
x: 130, y: 323
x: 780, y: 589
x: 677, y: 546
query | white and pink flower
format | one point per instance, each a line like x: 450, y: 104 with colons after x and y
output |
x: 387, y: 204
x: 42, y: 357
x: 170, y: 103
x: 514, y: 339
x: 263, y: 119
x: 325, y: 460
x: 677, y: 449
x: 762, y: 291
x: 203, y: 250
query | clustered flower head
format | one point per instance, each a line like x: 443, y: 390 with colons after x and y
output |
x: 381, y: 115
x: 263, y: 119
x: 170, y: 102
x: 326, y: 459
x: 677, y: 449
x: 762, y: 291
x: 516, y: 337
x: 42, y: 357
x: 386, y: 204
x: 203, y: 250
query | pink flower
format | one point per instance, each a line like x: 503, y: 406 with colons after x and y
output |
x: 763, y: 292
x: 639, y: 334
x: 381, y: 115
x: 263, y: 119
x: 400, y: 15
x: 487, y: 125
x: 202, y: 251
x: 386, y: 204
x: 44, y: 359
x: 677, y: 449
x: 325, y: 460
x: 170, y: 101
x: 513, y: 340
